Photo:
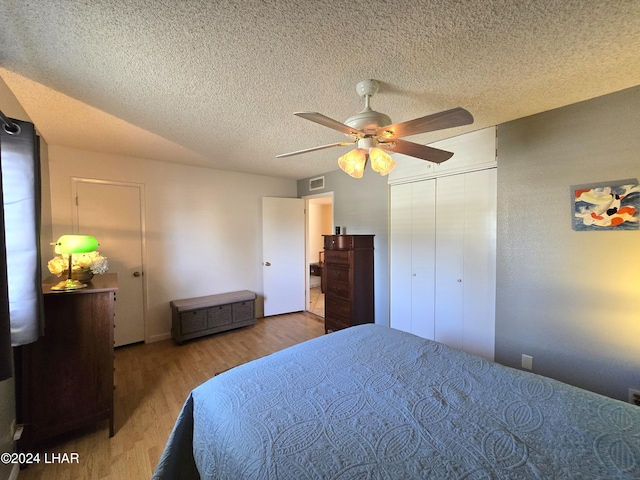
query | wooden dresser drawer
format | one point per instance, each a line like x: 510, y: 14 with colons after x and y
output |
x: 338, y: 242
x: 340, y: 290
x: 336, y: 256
x: 337, y: 273
x: 337, y: 306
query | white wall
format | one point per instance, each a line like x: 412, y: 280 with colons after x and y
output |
x: 203, y: 226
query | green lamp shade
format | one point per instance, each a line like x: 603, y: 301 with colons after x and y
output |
x: 67, y: 244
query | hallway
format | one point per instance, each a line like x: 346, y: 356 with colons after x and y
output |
x: 316, y: 301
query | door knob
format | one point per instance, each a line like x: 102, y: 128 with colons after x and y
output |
x: 136, y: 274
x: 267, y: 264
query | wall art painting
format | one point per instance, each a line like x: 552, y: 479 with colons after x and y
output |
x: 606, y: 206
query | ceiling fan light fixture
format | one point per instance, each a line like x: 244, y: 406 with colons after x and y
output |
x: 353, y: 163
x: 375, y: 134
x: 381, y: 161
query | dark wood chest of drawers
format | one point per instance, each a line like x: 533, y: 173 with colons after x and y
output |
x: 348, y: 265
x: 64, y: 380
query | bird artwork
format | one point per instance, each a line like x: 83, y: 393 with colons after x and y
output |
x: 606, y: 207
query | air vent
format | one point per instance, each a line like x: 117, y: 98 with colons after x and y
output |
x: 316, y: 183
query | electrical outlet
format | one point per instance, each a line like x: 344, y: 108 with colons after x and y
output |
x: 634, y: 397
x: 527, y: 362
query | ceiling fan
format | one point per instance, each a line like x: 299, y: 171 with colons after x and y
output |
x: 373, y: 134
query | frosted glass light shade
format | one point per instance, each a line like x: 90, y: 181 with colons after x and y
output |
x: 381, y: 161
x: 353, y: 163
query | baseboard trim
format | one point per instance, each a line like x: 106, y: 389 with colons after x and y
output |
x: 159, y: 337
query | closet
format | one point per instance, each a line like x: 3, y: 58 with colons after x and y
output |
x: 443, y: 244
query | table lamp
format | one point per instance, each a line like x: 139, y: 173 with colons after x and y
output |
x: 68, y: 245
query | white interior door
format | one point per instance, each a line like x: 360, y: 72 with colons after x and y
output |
x: 400, y: 258
x: 423, y: 258
x: 466, y: 262
x: 413, y: 257
x: 283, y: 248
x: 450, y: 282
x: 480, y: 262
x: 112, y: 213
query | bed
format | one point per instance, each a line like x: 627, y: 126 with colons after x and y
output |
x: 370, y: 402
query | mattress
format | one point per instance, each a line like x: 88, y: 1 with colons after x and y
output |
x: 373, y: 402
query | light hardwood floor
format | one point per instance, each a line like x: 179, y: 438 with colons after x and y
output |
x: 316, y: 301
x: 152, y: 382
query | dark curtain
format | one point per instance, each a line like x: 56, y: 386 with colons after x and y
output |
x: 20, y: 273
x: 5, y: 326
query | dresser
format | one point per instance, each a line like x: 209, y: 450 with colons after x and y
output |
x: 64, y: 380
x: 348, y: 275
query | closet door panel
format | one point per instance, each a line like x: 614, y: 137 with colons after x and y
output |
x: 480, y: 263
x: 423, y: 251
x: 400, y: 257
x: 413, y: 257
x: 449, y: 285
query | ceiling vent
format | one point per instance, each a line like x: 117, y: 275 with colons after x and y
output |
x: 316, y: 183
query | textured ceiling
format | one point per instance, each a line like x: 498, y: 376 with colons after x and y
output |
x: 216, y: 82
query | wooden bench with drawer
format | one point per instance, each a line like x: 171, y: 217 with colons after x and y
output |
x: 199, y: 316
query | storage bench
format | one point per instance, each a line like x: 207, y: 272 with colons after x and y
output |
x: 199, y: 316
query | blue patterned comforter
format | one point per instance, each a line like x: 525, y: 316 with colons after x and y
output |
x: 371, y: 402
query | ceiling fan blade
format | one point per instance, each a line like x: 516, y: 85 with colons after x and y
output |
x: 313, y: 149
x: 455, y: 117
x: 331, y: 123
x: 423, y: 152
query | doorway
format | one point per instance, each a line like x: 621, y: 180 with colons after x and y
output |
x: 319, y: 223
x: 113, y: 212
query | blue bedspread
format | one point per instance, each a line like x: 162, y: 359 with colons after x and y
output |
x: 370, y: 402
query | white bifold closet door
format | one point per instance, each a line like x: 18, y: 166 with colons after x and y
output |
x: 443, y: 243
x: 466, y: 261
x: 412, y: 257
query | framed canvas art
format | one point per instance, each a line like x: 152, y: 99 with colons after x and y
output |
x: 606, y: 206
